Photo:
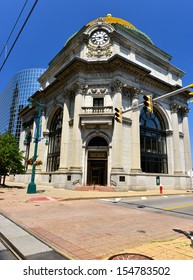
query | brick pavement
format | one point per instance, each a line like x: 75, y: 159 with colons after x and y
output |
x: 92, y: 229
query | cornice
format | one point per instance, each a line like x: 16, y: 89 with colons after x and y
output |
x: 114, y: 63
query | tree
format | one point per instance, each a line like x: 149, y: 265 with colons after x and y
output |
x: 10, y: 156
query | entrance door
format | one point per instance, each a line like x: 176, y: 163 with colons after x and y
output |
x: 97, y: 168
x: 97, y: 161
x: 97, y: 172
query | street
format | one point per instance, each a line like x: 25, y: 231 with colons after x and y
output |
x: 179, y: 205
x: 98, y: 228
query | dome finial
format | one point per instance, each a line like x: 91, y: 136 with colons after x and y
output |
x: 109, y: 15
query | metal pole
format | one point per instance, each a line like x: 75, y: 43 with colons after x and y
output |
x: 32, y: 185
x: 172, y: 93
x: 161, y: 97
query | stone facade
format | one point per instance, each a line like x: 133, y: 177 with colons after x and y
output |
x: 91, y: 75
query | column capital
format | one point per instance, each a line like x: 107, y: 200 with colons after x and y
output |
x: 174, y: 108
x: 184, y: 111
x: 135, y: 92
x: 80, y: 87
x: 117, y: 85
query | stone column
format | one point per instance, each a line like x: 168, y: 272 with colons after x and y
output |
x: 76, y: 157
x: 64, y: 150
x: 135, y: 136
x: 176, y: 139
x: 117, y: 162
x: 187, y: 146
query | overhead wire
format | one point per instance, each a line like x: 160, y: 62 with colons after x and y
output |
x: 26, y: 20
x: 18, y: 18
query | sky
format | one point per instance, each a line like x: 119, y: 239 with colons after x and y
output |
x: 167, y: 23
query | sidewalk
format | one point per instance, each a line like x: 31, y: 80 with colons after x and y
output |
x: 93, y: 193
x: 80, y: 227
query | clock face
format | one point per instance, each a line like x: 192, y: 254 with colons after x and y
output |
x: 99, y: 37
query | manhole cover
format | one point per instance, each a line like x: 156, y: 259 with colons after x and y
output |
x: 130, y: 256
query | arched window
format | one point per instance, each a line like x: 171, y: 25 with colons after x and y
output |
x: 97, y: 141
x: 153, y: 143
x: 55, y: 141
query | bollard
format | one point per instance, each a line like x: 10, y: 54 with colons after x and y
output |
x: 191, y: 237
x: 160, y: 189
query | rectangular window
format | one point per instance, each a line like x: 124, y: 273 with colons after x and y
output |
x: 98, y: 102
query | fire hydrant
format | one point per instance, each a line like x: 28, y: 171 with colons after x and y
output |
x: 160, y: 189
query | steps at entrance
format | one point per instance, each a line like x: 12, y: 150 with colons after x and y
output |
x: 96, y: 188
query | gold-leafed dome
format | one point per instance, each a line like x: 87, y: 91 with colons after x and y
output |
x: 114, y: 20
x: 110, y: 19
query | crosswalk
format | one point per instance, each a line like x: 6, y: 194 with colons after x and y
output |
x: 118, y: 199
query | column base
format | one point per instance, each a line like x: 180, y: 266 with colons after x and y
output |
x: 62, y: 170
x: 117, y: 170
x: 136, y: 170
x: 179, y: 173
x: 75, y: 169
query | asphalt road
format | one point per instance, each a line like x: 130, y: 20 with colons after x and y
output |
x: 179, y: 205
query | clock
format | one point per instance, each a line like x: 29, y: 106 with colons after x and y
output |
x: 99, y: 37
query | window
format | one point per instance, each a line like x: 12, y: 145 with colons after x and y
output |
x: 153, y: 143
x: 97, y: 141
x: 98, y: 102
x: 55, y: 141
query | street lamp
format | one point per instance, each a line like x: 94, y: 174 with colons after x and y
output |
x: 32, y: 186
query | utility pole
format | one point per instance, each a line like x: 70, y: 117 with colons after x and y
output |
x: 32, y: 185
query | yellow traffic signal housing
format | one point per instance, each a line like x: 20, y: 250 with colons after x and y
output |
x: 118, y: 114
x: 148, y: 105
x: 191, y: 93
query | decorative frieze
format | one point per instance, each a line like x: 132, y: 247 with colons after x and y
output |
x: 97, y: 91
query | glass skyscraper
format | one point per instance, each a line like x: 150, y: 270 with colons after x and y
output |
x: 14, y: 98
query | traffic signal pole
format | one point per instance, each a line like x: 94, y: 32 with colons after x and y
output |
x: 162, y: 97
x: 172, y: 93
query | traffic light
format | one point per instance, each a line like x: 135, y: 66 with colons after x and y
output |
x: 191, y: 93
x: 148, y: 106
x: 118, y: 114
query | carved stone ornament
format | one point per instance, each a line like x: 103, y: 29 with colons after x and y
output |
x: 99, y: 21
x: 97, y: 91
x: 117, y: 85
x: 135, y: 92
x: 176, y: 108
x: 185, y: 111
x: 99, y: 51
x: 79, y: 87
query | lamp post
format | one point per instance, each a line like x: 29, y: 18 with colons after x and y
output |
x: 32, y: 186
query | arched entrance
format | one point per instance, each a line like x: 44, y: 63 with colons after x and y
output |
x: 97, y: 161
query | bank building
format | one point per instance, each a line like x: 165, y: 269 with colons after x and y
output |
x: 108, y: 64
